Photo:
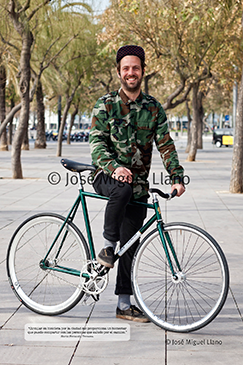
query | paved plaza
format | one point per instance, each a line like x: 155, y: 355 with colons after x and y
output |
x: 47, y: 186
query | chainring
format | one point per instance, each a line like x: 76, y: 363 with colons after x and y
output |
x: 96, y: 283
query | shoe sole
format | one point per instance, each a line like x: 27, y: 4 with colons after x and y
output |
x: 100, y: 261
x: 134, y: 319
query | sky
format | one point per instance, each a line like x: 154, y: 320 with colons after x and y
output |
x: 98, y: 5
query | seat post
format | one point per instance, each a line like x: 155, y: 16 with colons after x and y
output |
x: 80, y: 181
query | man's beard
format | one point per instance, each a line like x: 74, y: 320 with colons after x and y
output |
x: 131, y: 89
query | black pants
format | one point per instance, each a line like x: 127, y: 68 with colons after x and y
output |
x: 122, y: 221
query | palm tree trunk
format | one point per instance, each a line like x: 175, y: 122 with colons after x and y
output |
x: 25, y: 144
x: 189, y: 136
x: 200, y: 122
x: 4, y: 140
x: 10, y: 127
x: 75, y: 112
x: 63, y: 122
x: 236, y: 181
x: 194, y: 125
x: 24, y: 86
x: 40, y: 141
x: 69, y: 100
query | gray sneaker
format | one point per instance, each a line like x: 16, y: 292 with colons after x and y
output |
x: 106, y: 257
x: 132, y: 314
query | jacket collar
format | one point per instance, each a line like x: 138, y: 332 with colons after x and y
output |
x: 126, y: 99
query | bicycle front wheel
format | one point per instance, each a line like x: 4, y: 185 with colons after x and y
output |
x: 194, y: 297
x: 52, y: 290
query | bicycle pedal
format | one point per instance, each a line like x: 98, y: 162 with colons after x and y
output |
x: 95, y: 297
x: 90, y: 299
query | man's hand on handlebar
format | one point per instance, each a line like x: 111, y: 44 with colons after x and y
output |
x: 179, y: 187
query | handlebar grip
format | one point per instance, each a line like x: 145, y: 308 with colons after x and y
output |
x: 174, y: 193
x: 164, y: 195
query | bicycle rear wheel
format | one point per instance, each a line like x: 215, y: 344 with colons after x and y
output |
x: 46, y: 291
x: 194, y: 299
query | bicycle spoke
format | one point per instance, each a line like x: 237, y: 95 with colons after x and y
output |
x: 195, y: 295
x: 44, y: 290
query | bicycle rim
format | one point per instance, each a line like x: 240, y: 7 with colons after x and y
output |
x: 46, y: 291
x: 197, y: 296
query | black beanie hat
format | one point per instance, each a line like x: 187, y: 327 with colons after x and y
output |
x: 130, y: 50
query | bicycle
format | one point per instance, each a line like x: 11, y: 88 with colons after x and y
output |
x: 180, y: 276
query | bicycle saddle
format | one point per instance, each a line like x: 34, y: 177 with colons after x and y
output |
x: 76, y: 166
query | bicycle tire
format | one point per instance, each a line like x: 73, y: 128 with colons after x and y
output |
x: 197, y: 296
x: 46, y: 292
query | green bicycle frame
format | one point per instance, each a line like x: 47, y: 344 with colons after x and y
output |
x: 165, y: 238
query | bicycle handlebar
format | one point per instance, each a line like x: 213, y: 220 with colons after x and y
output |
x: 164, y: 195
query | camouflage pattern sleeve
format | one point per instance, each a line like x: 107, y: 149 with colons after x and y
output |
x: 166, y: 147
x: 99, y: 138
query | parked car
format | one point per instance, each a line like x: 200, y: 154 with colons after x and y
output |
x: 223, y: 137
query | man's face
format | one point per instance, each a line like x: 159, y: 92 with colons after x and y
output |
x: 131, y: 73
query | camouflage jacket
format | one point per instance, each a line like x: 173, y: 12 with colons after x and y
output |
x: 122, y: 134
